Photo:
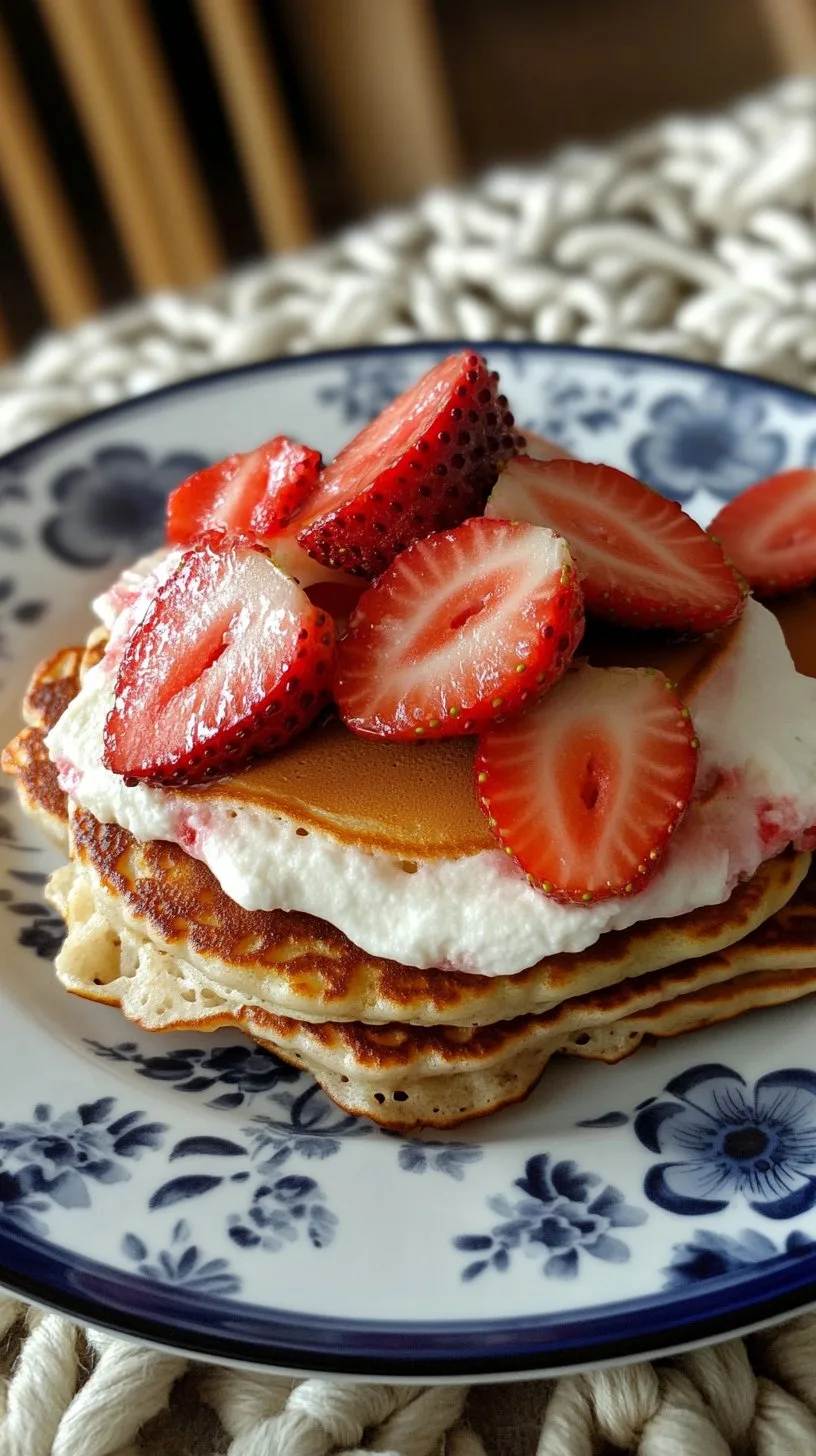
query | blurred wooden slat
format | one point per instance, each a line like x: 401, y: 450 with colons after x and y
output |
x: 791, y: 26
x: 376, y: 66
x: 6, y: 342
x: 80, y: 47
x: 38, y: 205
x: 263, y: 137
x: 146, y: 89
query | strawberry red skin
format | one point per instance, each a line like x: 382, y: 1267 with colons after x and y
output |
x: 550, y: 783
x: 258, y: 491
x: 643, y: 561
x: 769, y: 532
x: 425, y: 464
x: 418, y: 659
x: 189, y: 708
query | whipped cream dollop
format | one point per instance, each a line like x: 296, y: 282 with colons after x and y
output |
x: 755, y: 793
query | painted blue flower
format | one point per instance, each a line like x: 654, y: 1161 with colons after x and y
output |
x: 724, y: 1140
x: 248, y: 1071
x: 182, y: 1265
x: 718, y: 442
x: 114, y: 505
x: 709, y: 1256
x: 421, y: 1156
x: 561, y: 1215
x: 313, y: 1128
x: 367, y: 386
x: 572, y: 409
x: 51, y: 1159
x: 279, y: 1210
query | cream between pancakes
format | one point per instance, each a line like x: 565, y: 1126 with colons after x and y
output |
x: 756, y: 792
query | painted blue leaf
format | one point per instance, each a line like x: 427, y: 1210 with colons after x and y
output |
x: 133, y: 1248
x: 562, y: 1266
x: 148, y: 1135
x: 609, y: 1119
x: 470, y: 1243
x: 244, y: 1237
x: 188, y: 1259
x: 69, y: 1190
x: 98, y: 1111
x: 29, y: 877
x: 227, y: 1100
x: 501, y: 1260
x: 474, y: 1270
x: 412, y: 1158
x: 178, y: 1189
x: 214, y: 1146
x: 197, y: 1084
x: 609, y: 1248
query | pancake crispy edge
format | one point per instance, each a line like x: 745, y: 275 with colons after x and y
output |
x: 406, y: 1076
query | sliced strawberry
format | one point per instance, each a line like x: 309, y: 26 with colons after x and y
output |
x: 643, y: 562
x: 258, y: 491
x: 423, y: 465
x: 462, y: 629
x: 586, y: 789
x: 230, y: 660
x: 541, y: 448
x: 769, y: 532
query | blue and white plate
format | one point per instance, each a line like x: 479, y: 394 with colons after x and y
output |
x: 189, y: 1190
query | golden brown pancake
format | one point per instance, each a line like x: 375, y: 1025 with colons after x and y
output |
x: 403, y: 1075
x: 306, y: 967
x: 151, y: 931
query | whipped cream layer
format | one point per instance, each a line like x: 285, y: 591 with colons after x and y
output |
x: 755, y: 793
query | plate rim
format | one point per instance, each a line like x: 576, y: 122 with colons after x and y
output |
x: 522, y: 1346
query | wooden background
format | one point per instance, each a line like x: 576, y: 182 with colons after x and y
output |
x: 365, y: 110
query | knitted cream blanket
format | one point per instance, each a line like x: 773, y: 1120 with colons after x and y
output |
x: 697, y: 238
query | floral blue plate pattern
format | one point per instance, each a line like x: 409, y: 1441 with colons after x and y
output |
x: 195, y: 1192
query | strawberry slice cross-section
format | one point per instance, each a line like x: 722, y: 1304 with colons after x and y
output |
x: 230, y: 660
x: 464, y: 628
x: 427, y: 462
x: 643, y: 562
x: 586, y: 789
x: 258, y: 491
x: 769, y: 532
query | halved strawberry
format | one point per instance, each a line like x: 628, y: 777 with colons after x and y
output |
x: 462, y: 629
x: 769, y: 532
x: 423, y: 465
x: 542, y: 448
x: 258, y: 491
x: 586, y: 789
x: 230, y: 660
x: 643, y: 562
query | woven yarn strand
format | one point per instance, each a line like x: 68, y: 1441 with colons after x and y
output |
x: 694, y: 237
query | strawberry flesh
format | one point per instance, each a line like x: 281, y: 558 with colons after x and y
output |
x: 464, y: 628
x: 586, y: 789
x: 259, y: 491
x: 769, y: 532
x: 425, y: 464
x: 230, y: 660
x: 643, y: 562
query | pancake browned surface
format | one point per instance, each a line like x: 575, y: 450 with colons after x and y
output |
x: 305, y: 967
x: 403, y: 1075
x: 54, y: 684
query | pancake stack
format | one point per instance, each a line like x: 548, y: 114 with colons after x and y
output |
x: 151, y: 931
